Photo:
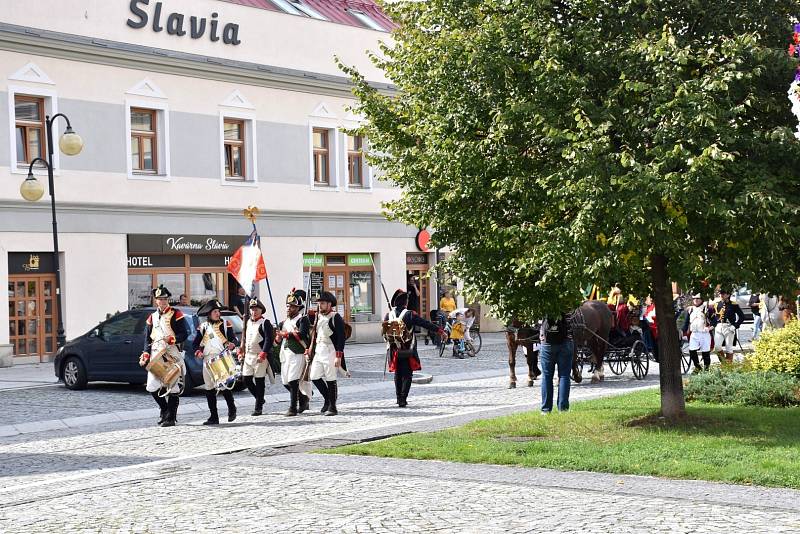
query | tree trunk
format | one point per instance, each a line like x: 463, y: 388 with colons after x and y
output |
x: 673, y: 405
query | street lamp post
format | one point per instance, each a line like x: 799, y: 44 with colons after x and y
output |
x: 70, y: 144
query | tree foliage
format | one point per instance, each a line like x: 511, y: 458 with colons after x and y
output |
x: 555, y: 143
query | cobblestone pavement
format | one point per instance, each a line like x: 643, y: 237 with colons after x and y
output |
x: 132, y: 476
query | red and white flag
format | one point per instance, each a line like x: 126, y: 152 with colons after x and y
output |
x: 247, y: 264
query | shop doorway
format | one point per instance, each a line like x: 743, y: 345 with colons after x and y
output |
x: 33, y: 317
x: 418, y: 283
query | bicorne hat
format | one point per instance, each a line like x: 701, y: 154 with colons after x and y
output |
x: 255, y: 303
x: 161, y: 292
x: 327, y: 296
x: 697, y: 296
x: 210, y: 306
x: 297, y: 298
x: 399, y: 299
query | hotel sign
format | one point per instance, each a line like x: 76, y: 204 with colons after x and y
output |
x: 223, y: 245
x: 180, y: 25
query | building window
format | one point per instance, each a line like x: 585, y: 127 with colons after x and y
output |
x: 235, y: 162
x: 29, y: 117
x: 366, y: 20
x: 297, y: 7
x: 144, y: 141
x: 322, y: 152
x: 355, y: 160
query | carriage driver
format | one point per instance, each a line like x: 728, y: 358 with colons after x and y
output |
x: 213, y: 337
x: 256, y: 345
x: 328, y: 351
x: 166, y: 327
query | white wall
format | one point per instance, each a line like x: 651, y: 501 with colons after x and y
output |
x: 268, y: 38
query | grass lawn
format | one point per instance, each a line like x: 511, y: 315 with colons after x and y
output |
x: 623, y: 435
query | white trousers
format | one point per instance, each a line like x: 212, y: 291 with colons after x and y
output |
x: 700, y: 341
x: 324, y: 364
x: 154, y: 384
x: 723, y: 337
x: 252, y: 367
x: 292, y: 366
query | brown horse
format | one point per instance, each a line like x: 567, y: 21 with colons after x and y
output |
x: 525, y: 336
x: 591, y: 324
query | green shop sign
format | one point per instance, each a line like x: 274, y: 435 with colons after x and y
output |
x: 359, y: 260
x: 312, y: 260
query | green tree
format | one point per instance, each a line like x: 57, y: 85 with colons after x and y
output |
x: 553, y: 143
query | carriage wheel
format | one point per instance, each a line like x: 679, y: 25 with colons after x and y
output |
x: 639, y: 362
x: 617, y: 364
x: 686, y: 362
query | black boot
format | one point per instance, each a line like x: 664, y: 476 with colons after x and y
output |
x: 172, y: 411
x: 398, y: 388
x: 695, y: 361
x: 322, y: 387
x: 250, y: 384
x: 304, y: 402
x: 228, y: 395
x: 259, y: 387
x: 333, y: 392
x: 162, y: 405
x: 211, y: 399
x: 707, y: 360
x: 294, y: 392
x: 406, y: 388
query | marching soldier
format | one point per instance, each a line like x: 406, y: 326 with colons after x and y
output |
x: 256, y: 346
x: 328, y: 351
x: 213, y: 337
x: 166, y: 328
x: 294, y: 335
x: 404, y: 361
x: 697, y: 327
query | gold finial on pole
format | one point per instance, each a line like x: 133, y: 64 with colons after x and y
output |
x: 250, y: 213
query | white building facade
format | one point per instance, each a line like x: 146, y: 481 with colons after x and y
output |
x: 182, y: 129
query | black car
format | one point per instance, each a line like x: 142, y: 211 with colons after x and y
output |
x: 110, y: 351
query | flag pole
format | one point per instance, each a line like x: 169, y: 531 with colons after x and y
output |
x: 269, y: 289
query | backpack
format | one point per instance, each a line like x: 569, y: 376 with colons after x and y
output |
x: 395, y: 332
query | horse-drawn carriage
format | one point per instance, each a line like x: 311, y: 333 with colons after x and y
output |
x: 617, y: 358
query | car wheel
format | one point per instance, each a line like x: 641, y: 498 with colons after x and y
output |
x: 74, y: 374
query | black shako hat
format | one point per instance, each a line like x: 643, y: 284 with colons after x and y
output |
x: 399, y: 299
x: 255, y: 303
x: 327, y: 296
x: 161, y: 292
x: 297, y: 297
x: 210, y: 306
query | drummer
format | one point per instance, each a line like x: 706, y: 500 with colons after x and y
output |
x: 166, y: 328
x: 214, y: 337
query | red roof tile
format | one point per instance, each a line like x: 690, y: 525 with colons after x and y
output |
x: 333, y: 10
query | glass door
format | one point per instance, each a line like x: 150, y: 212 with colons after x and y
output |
x: 32, y: 315
x: 337, y: 283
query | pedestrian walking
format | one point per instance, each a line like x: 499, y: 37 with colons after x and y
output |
x: 214, y: 337
x: 726, y: 320
x: 556, y: 349
x: 755, y: 307
x: 697, y: 327
x: 328, y: 351
x: 258, y: 338
x: 166, y: 329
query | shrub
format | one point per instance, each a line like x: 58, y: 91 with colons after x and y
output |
x: 735, y: 385
x: 778, y: 350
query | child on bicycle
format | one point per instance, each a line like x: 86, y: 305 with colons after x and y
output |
x: 463, y: 319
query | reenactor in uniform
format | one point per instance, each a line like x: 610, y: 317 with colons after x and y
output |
x: 294, y: 335
x: 256, y: 346
x: 166, y: 328
x: 212, y: 338
x: 403, y: 362
x: 328, y: 351
x: 726, y: 320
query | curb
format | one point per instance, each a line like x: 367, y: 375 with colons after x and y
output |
x: 34, y: 427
